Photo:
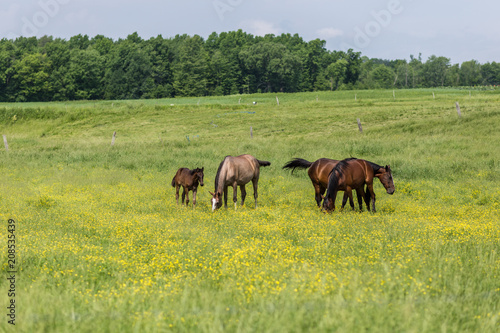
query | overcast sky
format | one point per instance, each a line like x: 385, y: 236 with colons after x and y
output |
x: 391, y: 29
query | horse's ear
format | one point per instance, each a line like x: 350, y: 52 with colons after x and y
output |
x: 213, y: 194
x: 202, y: 169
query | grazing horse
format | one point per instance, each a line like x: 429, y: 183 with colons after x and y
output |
x: 352, y: 174
x: 236, y: 171
x: 318, y: 171
x: 189, y: 180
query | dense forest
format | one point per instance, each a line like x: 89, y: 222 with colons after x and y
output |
x: 54, y: 69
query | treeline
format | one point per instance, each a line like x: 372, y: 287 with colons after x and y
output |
x: 54, y: 69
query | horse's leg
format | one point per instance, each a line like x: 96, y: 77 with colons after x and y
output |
x: 194, y: 196
x: 255, y: 183
x: 360, y: 194
x: 243, y: 194
x: 183, y: 194
x: 367, y: 198
x: 235, y: 195
x: 318, y: 193
x: 177, y: 187
x: 187, y: 196
x: 344, y: 200
x: 225, y: 197
x: 372, y: 194
x: 349, y: 194
x: 333, y: 198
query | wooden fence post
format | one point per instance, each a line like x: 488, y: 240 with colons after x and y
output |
x: 458, y: 109
x: 359, y: 126
x: 251, y: 132
x: 277, y: 101
x: 5, y: 142
x: 113, y: 139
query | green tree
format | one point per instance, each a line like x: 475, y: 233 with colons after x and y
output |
x: 336, y: 73
x: 270, y: 67
x: 491, y: 73
x: 470, y: 73
x: 29, y: 79
x: 415, y: 71
x: 128, y: 73
x: 314, y: 58
x: 7, y: 56
x: 434, y: 71
x: 86, y: 72
x: 162, y: 57
x: 381, y: 76
x: 191, y: 68
x: 453, y: 76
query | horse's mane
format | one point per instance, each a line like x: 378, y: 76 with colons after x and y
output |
x: 194, y: 171
x: 375, y: 166
x: 336, y: 174
x: 218, y: 174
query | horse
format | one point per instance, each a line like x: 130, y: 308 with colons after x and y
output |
x: 236, y: 171
x: 189, y: 180
x: 353, y: 173
x: 318, y: 171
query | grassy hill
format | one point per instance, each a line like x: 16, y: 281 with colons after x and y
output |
x: 101, y: 244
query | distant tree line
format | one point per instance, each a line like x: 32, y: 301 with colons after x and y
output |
x: 54, y: 69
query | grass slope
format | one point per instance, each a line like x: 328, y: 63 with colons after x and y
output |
x: 102, y: 246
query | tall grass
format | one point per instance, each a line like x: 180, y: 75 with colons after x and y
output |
x: 102, y: 246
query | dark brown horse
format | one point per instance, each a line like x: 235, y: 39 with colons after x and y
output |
x: 318, y: 171
x: 352, y: 174
x: 189, y: 180
x: 236, y: 171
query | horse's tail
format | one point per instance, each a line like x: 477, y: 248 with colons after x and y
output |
x: 264, y: 163
x: 299, y: 163
x: 173, y: 181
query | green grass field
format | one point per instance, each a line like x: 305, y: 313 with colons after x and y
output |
x: 101, y: 245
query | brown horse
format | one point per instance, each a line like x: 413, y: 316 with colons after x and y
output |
x: 189, y: 180
x: 352, y: 174
x: 318, y: 171
x: 236, y: 171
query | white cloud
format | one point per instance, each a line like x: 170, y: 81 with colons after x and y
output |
x: 327, y: 33
x: 260, y: 28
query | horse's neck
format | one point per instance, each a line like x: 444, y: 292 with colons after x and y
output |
x: 222, y: 178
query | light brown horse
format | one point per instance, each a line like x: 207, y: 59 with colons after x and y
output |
x: 352, y: 174
x: 236, y: 171
x: 189, y: 180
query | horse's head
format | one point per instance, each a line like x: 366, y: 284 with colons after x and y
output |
x: 199, y: 174
x: 328, y: 204
x: 385, y: 176
x: 216, y: 200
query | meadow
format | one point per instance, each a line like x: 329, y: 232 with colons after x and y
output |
x: 101, y: 245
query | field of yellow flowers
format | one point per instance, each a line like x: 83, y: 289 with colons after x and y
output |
x: 101, y: 245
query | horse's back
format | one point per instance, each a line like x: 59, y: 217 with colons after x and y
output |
x: 241, y: 169
x: 320, y: 170
x: 358, y: 172
x: 182, y: 177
